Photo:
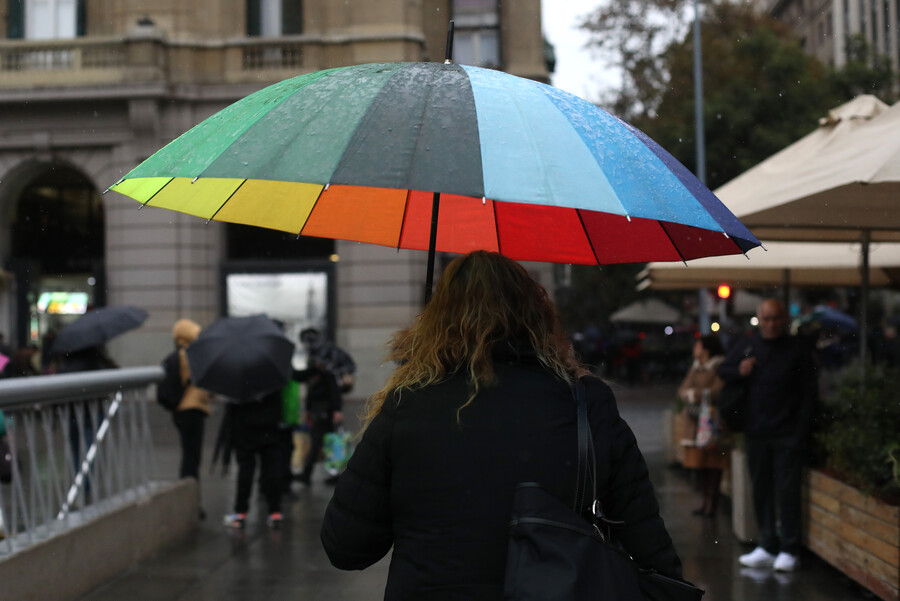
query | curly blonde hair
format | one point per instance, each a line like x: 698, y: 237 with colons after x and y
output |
x: 482, y: 300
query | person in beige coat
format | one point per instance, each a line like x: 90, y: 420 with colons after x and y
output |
x: 702, y: 382
x: 190, y: 405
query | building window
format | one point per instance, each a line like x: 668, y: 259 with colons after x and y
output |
x: 886, y: 20
x: 876, y: 33
x: 273, y: 18
x: 477, y: 33
x: 45, y: 19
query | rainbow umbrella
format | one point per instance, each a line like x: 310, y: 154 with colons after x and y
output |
x: 371, y: 152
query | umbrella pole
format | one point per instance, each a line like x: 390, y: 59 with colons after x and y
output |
x: 432, y: 242
x: 436, y: 201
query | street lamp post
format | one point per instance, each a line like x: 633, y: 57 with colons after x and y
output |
x: 700, y: 136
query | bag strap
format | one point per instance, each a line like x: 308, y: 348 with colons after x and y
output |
x: 587, y: 463
x: 587, y: 467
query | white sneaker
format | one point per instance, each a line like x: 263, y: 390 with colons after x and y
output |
x: 757, y: 558
x: 785, y: 562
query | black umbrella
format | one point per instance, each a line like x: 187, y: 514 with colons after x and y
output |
x: 241, y: 357
x: 97, y: 327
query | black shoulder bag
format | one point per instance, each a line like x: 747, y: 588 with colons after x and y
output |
x: 733, y: 404
x: 557, y: 555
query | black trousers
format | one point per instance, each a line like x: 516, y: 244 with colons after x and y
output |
x: 322, y: 424
x: 267, y: 446
x: 776, y: 467
x: 190, y: 424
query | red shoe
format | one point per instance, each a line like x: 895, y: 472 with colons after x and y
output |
x: 274, y: 520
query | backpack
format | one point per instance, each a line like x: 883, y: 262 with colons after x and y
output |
x: 169, y: 391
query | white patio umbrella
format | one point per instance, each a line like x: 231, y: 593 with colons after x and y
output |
x: 646, y: 311
x: 809, y: 264
x: 838, y: 183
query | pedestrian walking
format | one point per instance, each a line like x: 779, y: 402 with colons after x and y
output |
x: 324, y: 411
x: 480, y: 401
x: 256, y: 439
x: 189, y: 404
x: 779, y: 374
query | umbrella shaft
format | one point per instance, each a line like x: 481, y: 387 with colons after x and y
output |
x: 432, y: 242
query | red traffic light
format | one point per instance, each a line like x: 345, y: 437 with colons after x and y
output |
x: 724, y: 291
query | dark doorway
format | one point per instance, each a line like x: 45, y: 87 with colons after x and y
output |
x: 290, y: 278
x: 57, y: 250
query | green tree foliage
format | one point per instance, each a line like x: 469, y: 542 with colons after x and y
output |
x: 866, y: 72
x: 761, y: 93
x: 596, y: 293
x: 631, y: 35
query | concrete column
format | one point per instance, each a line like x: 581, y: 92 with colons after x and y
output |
x: 743, y: 519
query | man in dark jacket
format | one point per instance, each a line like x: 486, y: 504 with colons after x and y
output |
x: 780, y: 377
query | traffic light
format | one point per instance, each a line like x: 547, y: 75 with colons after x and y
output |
x: 724, y: 291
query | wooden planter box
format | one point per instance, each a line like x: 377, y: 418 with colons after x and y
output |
x: 855, y: 533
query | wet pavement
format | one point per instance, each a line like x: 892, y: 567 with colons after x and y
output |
x: 258, y: 564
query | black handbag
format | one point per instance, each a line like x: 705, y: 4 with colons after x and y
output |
x: 733, y: 404
x: 557, y: 555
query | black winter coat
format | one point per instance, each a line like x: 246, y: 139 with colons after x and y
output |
x: 782, y: 389
x: 440, y: 492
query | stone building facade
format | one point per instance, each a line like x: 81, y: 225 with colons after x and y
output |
x: 824, y: 25
x: 90, y: 89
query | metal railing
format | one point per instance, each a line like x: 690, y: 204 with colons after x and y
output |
x: 79, y: 446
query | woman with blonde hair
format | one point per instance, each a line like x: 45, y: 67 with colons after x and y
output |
x: 480, y: 401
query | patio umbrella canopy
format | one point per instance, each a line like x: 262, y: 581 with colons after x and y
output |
x: 834, y: 183
x: 786, y: 263
x: 372, y: 153
x: 97, y: 327
x: 646, y: 311
x: 839, y: 183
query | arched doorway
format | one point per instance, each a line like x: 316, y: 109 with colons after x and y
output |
x: 56, y: 247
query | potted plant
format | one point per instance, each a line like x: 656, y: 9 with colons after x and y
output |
x: 853, y: 494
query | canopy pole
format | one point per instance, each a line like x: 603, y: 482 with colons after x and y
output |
x: 786, y: 288
x: 432, y: 242
x: 864, y: 299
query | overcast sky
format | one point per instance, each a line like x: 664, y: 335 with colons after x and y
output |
x: 577, y: 71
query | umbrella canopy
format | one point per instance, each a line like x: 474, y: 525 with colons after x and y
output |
x: 97, y: 327
x: 839, y: 180
x: 792, y: 263
x: 646, y: 311
x: 241, y: 357
x: 373, y: 153
x: 829, y: 318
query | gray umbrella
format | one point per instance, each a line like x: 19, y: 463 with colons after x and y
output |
x: 97, y: 327
x: 241, y: 357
